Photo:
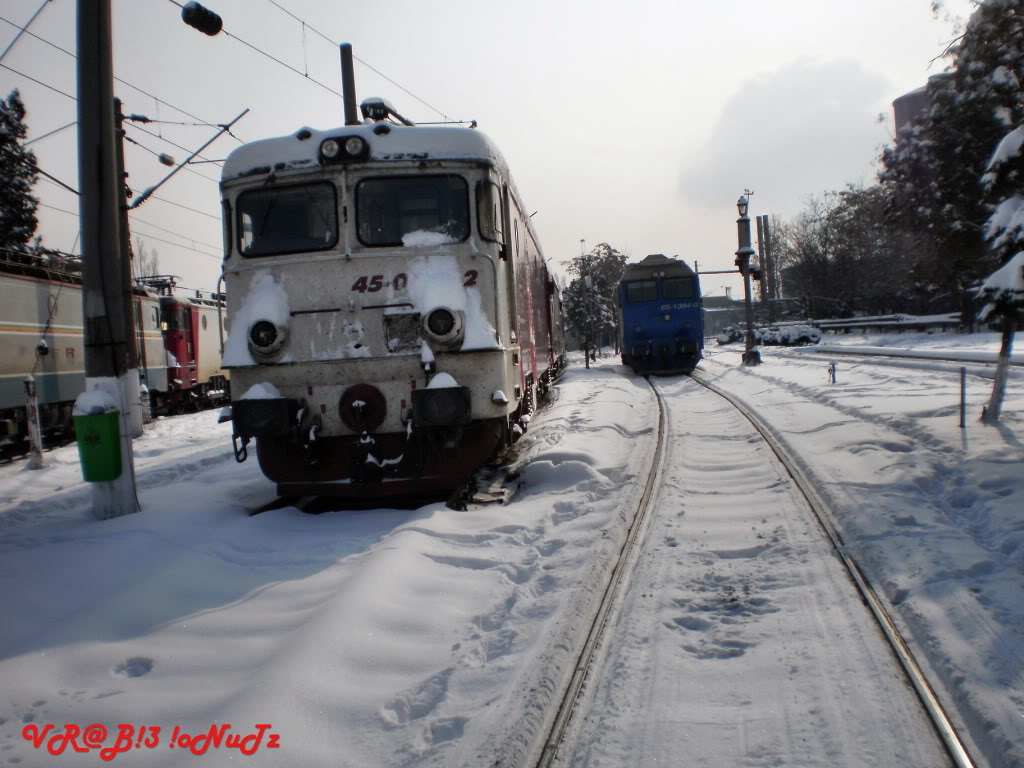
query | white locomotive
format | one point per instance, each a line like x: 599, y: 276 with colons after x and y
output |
x: 391, y: 318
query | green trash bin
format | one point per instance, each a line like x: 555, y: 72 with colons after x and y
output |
x: 99, y: 446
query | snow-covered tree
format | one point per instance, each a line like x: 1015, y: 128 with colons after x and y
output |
x: 1003, y: 291
x: 990, y: 67
x: 590, y: 309
x: 17, y: 176
x: 931, y: 175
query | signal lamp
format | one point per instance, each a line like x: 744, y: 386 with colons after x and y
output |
x: 203, y: 19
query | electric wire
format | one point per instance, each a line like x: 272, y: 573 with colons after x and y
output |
x: 272, y: 58
x: 123, y: 82
x: 154, y: 237
x: 179, y: 205
x: 172, y: 232
x: 158, y: 154
x: 173, y: 144
x: 24, y: 29
x: 361, y: 61
x: 38, y: 82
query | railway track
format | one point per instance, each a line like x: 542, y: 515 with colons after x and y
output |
x: 558, y: 744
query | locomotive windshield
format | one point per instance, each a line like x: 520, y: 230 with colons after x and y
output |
x: 641, y: 290
x: 389, y: 209
x: 289, y: 219
x: 677, y: 288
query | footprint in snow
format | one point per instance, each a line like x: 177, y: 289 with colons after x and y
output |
x: 136, y: 666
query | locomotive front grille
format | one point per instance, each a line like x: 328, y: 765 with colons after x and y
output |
x: 402, y: 331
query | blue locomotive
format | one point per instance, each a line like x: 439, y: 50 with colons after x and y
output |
x: 661, y: 316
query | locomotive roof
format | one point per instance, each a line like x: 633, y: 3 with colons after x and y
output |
x: 302, y: 148
x: 656, y: 262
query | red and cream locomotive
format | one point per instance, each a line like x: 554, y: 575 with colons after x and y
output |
x: 391, y: 318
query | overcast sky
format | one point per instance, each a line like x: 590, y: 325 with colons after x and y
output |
x: 637, y: 124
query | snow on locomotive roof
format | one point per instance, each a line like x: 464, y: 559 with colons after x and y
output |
x: 302, y: 148
x: 657, y: 262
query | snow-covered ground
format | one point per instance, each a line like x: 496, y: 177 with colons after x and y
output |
x: 435, y: 637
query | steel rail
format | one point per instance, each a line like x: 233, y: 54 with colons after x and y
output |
x: 574, y: 690
x: 929, y: 700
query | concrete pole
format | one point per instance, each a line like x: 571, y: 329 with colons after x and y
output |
x: 35, y: 438
x: 133, y: 414
x: 108, y: 328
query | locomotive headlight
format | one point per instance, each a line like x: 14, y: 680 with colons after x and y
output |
x: 330, y: 149
x: 443, y: 326
x: 265, y: 338
x: 343, y: 149
x: 354, y: 146
x: 440, y: 322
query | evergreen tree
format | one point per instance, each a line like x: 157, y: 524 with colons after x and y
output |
x: 931, y: 175
x: 17, y: 176
x: 1003, y: 181
x: 590, y: 309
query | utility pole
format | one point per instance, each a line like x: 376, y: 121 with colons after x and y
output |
x: 106, y: 307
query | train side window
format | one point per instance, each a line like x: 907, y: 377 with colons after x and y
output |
x: 641, y: 290
x: 488, y: 211
x: 678, y: 288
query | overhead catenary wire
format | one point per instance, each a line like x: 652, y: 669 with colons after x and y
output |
x: 23, y: 30
x: 307, y: 25
x: 187, y: 208
x: 161, y: 138
x: 271, y: 57
x: 151, y: 237
x: 192, y: 240
x: 123, y: 82
x: 153, y: 152
x: 38, y: 82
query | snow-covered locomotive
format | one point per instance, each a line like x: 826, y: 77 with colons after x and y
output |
x: 42, y: 336
x: 391, y: 318
x: 661, y: 316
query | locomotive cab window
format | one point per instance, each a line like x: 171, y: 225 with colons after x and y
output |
x: 488, y: 211
x: 677, y: 288
x: 641, y: 290
x: 290, y: 219
x: 175, y: 319
x: 389, y: 209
